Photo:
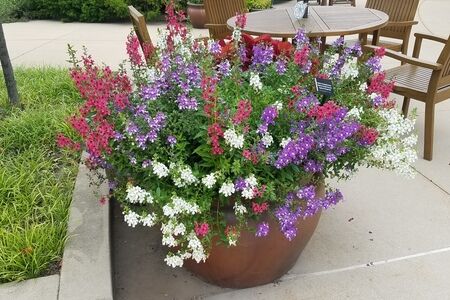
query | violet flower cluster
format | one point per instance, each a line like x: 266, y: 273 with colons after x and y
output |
x: 291, y: 211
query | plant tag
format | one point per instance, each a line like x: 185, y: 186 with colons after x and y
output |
x: 324, y: 86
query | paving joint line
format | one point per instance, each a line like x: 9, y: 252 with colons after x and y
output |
x: 367, y: 265
x: 432, y: 182
x: 41, y: 45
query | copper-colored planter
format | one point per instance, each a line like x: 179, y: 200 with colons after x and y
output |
x: 196, y: 14
x: 255, y: 261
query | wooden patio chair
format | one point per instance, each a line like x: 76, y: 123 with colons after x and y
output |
x: 401, y: 19
x: 217, y: 14
x: 140, y: 27
x: 422, y: 80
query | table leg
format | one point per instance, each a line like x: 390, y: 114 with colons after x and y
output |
x: 376, y: 37
x: 324, y: 2
x: 363, y: 39
x: 323, y: 44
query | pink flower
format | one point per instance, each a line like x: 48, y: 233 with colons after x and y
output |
x: 133, y: 46
x: 241, y: 20
x: 380, y: 52
x: 201, y: 229
x: 243, y: 112
x: 259, y: 208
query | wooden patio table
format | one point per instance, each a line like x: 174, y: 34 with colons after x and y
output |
x: 322, y: 21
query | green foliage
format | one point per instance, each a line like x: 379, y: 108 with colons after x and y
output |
x: 80, y: 10
x: 259, y: 4
x: 36, y: 179
x: 10, y: 10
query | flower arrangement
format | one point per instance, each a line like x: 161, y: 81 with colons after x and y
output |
x: 238, y: 124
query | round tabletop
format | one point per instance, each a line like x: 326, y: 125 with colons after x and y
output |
x: 322, y: 21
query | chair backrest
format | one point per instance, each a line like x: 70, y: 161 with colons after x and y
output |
x: 217, y: 14
x: 140, y: 27
x: 398, y: 11
x: 444, y: 59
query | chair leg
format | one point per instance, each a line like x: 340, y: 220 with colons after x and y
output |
x: 429, y: 131
x: 405, y: 106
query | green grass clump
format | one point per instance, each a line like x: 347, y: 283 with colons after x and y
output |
x: 36, y: 178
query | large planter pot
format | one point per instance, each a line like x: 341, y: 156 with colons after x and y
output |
x: 255, y: 260
x: 196, y: 14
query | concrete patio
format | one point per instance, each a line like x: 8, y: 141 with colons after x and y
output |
x: 389, y: 239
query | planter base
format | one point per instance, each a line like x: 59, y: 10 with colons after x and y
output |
x: 255, y: 261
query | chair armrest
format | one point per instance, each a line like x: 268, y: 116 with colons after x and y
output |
x: 430, y: 37
x: 401, y: 23
x: 407, y: 59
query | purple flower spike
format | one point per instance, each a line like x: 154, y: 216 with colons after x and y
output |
x: 171, y: 140
x: 240, y: 184
x: 186, y: 103
x: 263, y: 229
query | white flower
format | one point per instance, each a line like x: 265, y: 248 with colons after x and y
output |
x: 149, y: 220
x: 236, y: 35
x: 131, y: 218
x: 267, y: 140
x: 227, y: 189
x: 188, y: 176
x: 177, y: 40
x: 285, y: 141
x: 330, y: 62
x: 135, y: 194
x: 161, y: 43
x: 180, y: 229
x: 233, y: 139
x: 174, y: 260
x: 232, y: 240
x: 355, y: 113
x: 182, y: 206
x: 395, y: 147
x: 179, y: 206
x: 169, y: 211
x: 169, y: 240
x: 247, y: 193
x: 255, y: 81
x: 363, y: 87
x: 278, y: 105
x: 239, y: 209
x: 251, y: 180
x: 151, y: 74
x: 169, y: 227
x: 198, y: 252
x: 209, y: 180
x: 160, y: 170
x: 350, y: 69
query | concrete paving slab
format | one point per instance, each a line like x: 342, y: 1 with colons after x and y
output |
x: 86, y: 268
x: 373, y: 224
x: 18, y: 48
x: 434, y: 15
x: 45, y: 288
x: 139, y: 270
x: 36, y: 30
x: 55, y: 53
x: 422, y: 277
x: 437, y: 170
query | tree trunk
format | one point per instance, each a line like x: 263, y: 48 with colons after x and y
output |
x: 8, y: 72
